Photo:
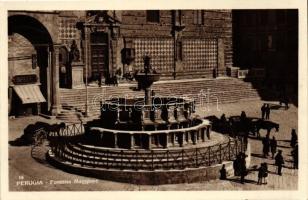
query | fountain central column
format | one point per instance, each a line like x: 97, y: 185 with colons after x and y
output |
x: 147, y: 96
x: 146, y: 78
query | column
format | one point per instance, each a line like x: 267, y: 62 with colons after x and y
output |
x: 132, y: 141
x: 184, y: 138
x: 208, y: 132
x: 55, y: 106
x: 87, y: 67
x: 87, y: 52
x: 166, y: 138
x: 150, y: 141
x: 173, y: 138
x: 194, y: 135
x: 203, y: 134
x: 181, y: 139
x: 115, y: 140
x: 147, y: 96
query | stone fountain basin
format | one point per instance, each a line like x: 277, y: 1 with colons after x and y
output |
x: 146, y: 79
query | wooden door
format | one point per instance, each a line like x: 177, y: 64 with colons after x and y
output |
x: 99, y: 55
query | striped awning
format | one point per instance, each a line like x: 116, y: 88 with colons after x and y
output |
x: 29, y: 93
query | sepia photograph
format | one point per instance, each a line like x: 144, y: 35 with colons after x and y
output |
x: 153, y: 100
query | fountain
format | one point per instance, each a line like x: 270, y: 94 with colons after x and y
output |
x: 150, y: 140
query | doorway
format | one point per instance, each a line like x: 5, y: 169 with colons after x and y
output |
x: 99, y: 56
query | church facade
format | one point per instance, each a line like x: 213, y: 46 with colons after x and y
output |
x: 49, y: 50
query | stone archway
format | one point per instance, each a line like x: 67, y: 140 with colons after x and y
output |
x: 37, y: 34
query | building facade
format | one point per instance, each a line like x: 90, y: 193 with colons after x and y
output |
x: 267, y: 39
x: 49, y: 50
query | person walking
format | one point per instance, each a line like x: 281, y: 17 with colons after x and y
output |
x: 294, y: 154
x: 267, y: 111
x: 242, y: 167
x: 273, y: 146
x: 266, y: 145
x: 263, y: 108
x: 279, y: 161
x: 293, y: 138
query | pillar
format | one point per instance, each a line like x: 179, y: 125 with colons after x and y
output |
x: 181, y: 139
x: 194, y: 137
x: 115, y: 140
x: 173, y: 138
x: 132, y: 141
x: 147, y: 96
x: 166, y: 138
x: 55, y: 104
x: 150, y: 141
x: 208, y: 132
x: 87, y: 58
x: 203, y: 134
x: 184, y: 138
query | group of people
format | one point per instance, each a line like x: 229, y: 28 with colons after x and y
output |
x: 269, y: 149
x: 239, y: 166
x: 269, y: 145
x: 262, y: 173
x: 265, y: 111
x: 279, y: 159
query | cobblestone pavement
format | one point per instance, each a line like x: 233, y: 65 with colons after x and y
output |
x: 22, y: 167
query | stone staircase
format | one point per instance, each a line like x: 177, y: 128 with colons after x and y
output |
x: 70, y: 114
x: 204, y: 91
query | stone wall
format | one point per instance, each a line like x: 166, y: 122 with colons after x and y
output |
x: 20, y: 53
x: 199, y: 50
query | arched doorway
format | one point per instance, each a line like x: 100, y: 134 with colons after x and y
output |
x: 37, y: 34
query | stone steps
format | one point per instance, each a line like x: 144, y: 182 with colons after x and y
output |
x: 227, y: 90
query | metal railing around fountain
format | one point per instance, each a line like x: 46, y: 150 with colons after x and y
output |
x: 165, y: 159
x: 70, y: 130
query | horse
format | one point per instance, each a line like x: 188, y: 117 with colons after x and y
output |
x: 218, y: 125
x: 263, y: 124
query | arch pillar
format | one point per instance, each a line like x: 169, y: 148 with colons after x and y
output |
x: 55, y: 103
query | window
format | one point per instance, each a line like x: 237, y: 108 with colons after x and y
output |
x: 152, y: 16
x: 198, y: 17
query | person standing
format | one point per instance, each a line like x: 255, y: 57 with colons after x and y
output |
x: 293, y: 138
x: 242, y: 167
x: 265, y: 172
x: 273, y: 146
x: 279, y: 161
x: 267, y: 111
x: 294, y: 154
x: 223, y: 173
x: 266, y: 145
x: 260, y: 174
x: 263, y: 108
